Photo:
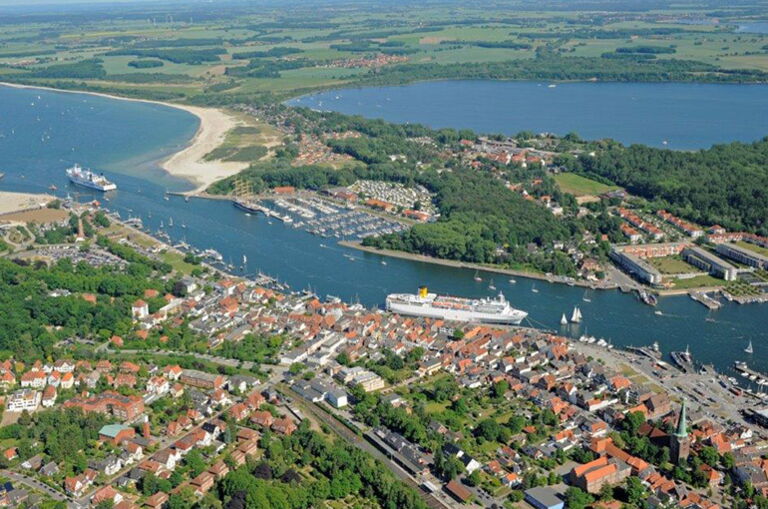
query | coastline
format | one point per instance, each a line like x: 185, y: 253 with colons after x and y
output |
x: 467, y: 265
x: 188, y: 163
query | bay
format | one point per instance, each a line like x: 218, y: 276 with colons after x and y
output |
x: 133, y: 136
x: 672, y: 115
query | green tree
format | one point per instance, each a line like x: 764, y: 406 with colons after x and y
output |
x: 709, y: 456
x: 576, y: 498
x: 194, y: 460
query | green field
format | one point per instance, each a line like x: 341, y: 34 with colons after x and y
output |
x: 467, y: 37
x: 581, y: 186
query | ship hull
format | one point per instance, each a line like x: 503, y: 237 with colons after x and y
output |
x: 245, y: 207
x: 91, y: 185
x: 458, y: 315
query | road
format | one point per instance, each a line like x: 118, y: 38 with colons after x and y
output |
x: 38, y: 486
x: 223, y: 361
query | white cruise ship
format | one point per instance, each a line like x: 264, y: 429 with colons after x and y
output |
x: 87, y: 178
x: 444, y: 307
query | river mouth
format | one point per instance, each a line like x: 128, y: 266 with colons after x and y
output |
x: 683, y: 116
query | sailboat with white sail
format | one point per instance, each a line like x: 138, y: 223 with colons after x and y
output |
x: 563, y: 320
x: 576, y: 315
x: 749, y: 348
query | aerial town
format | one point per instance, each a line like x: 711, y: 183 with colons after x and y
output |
x: 202, y: 378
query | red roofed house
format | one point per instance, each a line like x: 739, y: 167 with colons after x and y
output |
x: 140, y: 309
x: 49, y: 396
x: 284, y: 426
x: 106, y: 493
x: 262, y: 418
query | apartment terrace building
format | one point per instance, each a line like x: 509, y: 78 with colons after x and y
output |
x: 24, y: 399
x: 111, y: 403
x: 743, y: 255
x: 594, y: 475
x: 201, y: 379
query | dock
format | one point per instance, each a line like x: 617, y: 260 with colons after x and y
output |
x: 751, y: 374
x: 648, y: 351
x: 703, y: 298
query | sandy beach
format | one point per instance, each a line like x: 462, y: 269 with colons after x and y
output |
x: 188, y: 163
x: 15, y: 202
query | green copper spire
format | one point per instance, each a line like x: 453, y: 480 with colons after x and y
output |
x: 682, y: 428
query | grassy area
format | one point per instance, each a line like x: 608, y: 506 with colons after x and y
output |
x: 581, y: 186
x: 697, y: 282
x: 176, y: 260
x: 435, y: 407
x: 672, y: 265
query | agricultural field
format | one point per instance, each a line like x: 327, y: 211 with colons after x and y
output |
x: 190, y: 54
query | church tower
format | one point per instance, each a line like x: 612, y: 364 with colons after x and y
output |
x: 680, y: 443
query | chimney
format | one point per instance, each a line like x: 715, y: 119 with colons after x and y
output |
x: 145, y: 429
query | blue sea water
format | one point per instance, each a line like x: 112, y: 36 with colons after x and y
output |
x: 684, y: 115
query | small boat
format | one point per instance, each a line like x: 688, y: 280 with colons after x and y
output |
x: 576, y: 315
x: 658, y: 312
x: 512, y: 281
x: 186, y: 199
x: 749, y: 348
x: 383, y: 262
x: 534, y: 289
x: 491, y: 286
x: 166, y: 198
x: 477, y: 276
x: 563, y: 320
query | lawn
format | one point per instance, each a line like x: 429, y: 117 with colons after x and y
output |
x: 697, y: 282
x: 672, y: 265
x: 176, y: 260
x: 581, y: 186
x: 435, y: 407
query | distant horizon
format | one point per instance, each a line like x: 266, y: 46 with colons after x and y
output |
x: 75, y: 3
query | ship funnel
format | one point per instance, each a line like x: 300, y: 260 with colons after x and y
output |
x: 423, y: 292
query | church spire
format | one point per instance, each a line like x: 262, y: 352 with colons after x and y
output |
x: 682, y: 425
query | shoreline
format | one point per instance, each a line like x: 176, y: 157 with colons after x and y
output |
x: 468, y: 265
x: 187, y: 163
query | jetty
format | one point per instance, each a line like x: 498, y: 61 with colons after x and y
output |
x: 751, y: 374
x: 703, y: 298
